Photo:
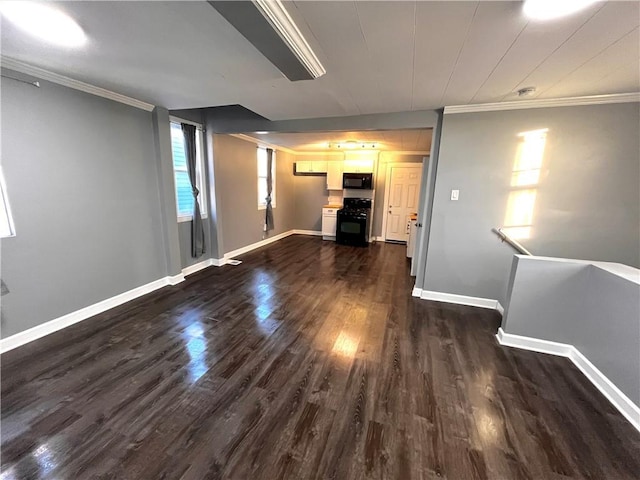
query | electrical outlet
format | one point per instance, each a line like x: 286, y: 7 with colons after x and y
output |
x: 455, y: 194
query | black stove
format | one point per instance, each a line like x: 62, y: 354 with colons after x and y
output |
x: 353, y: 222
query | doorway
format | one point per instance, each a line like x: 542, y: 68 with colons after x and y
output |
x: 401, y: 200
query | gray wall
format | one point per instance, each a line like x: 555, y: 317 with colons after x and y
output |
x: 236, y: 173
x: 81, y: 176
x: 427, y: 193
x: 311, y: 195
x: 582, y: 305
x: 587, y: 203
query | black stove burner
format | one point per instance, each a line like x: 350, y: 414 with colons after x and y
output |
x: 357, y: 204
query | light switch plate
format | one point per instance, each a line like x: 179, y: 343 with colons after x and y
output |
x: 455, y: 194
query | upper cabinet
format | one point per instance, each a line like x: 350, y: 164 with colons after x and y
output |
x: 358, y: 166
x: 311, y: 167
x: 334, y: 175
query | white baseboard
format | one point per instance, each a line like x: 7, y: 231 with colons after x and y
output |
x: 175, y: 279
x: 618, y: 399
x: 459, y: 299
x: 533, y: 344
x: 267, y: 241
x: 379, y: 239
x: 219, y: 262
x: 59, y: 323
x: 253, y: 246
x: 196, y: 267
x: 64, y: 321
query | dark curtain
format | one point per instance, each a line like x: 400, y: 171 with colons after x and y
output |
x: 197, y: 229
x: 268, y: 219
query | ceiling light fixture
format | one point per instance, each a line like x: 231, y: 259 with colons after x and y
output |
x: 281, y: 21
x: 549, y: 9
x: 44, y: 22
x: 353, y: 145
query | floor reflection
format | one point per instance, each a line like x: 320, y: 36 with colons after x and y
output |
x: 39, y: 464
x: 9, y: 474
x: 45, y: 459
x: 487, y: 426
x: 196, y: 345
x: 345, y: 345
x: 263, y: 299
x: 194, y: 329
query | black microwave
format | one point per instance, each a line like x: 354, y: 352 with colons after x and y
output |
x: 362, y: 181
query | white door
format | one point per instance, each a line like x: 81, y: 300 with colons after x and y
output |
x: 404, y: 192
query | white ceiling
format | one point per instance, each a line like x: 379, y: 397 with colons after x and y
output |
x: 384, y: 56
x: 385, y: 140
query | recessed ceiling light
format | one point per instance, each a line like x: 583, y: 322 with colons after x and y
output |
x: 548, y: 9
x: 262, y: 133
x: 44, y: 22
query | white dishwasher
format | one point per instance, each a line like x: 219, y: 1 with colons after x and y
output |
x: 329, y: 221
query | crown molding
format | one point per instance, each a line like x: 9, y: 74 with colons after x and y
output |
x: 276, y: 13
x: 43, y: 74
x: 545, y: 103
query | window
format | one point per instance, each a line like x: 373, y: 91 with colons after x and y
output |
x: 262, y: 179
x: 184, y: 197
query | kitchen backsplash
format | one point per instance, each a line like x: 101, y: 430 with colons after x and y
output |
x: 335, y: 197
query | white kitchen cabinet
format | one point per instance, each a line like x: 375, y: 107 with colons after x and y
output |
x: 334, y: 175
x: 311, y: 167
x: 329, y: 222
x: 358, y: 166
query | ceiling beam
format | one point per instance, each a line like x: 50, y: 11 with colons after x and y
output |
x: 247, y: 19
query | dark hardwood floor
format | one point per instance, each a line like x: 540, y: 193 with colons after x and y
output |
x: 309, y: 360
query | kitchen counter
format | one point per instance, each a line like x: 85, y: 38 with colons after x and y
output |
x: 332, y: 205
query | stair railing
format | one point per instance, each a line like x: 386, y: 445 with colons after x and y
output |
x: 511, y: 241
